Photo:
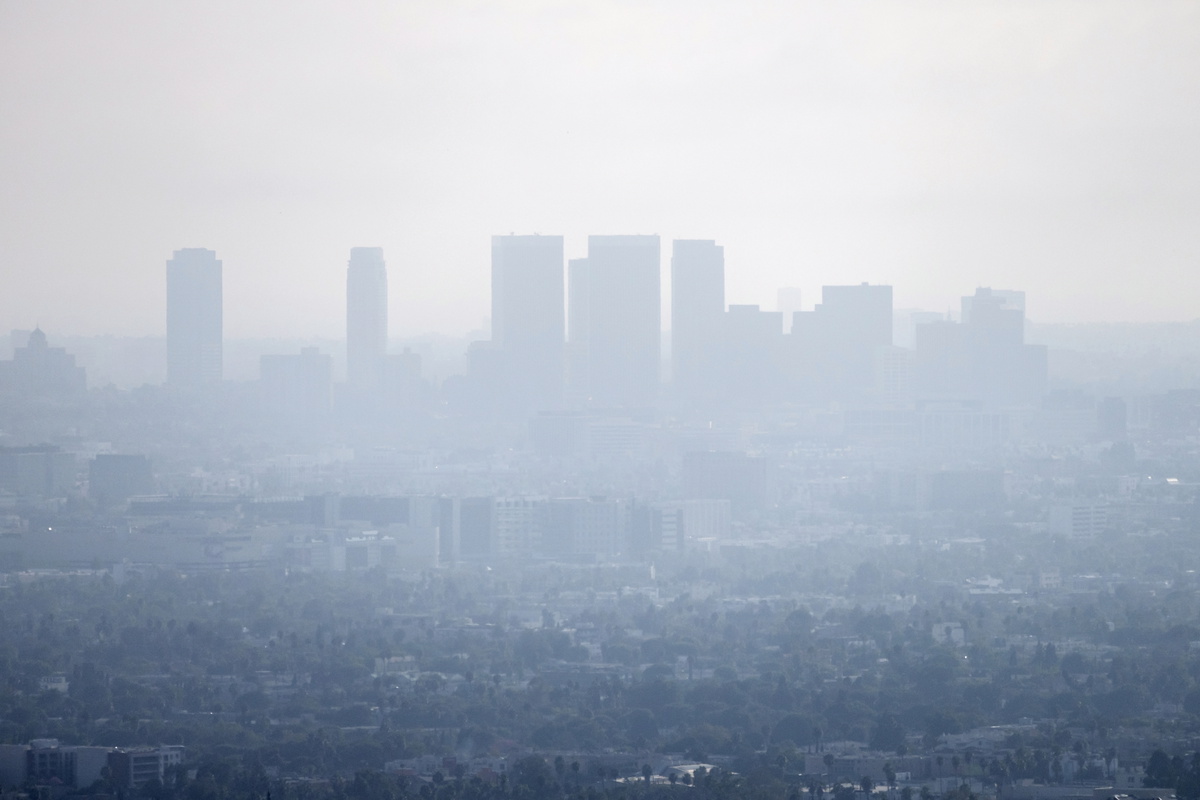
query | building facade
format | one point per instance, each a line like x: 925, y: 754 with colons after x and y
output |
x: 624, y: 320
x: 194, y: 318
x: 697, y: 311
x: 528, y: 317
x: 366, y: 316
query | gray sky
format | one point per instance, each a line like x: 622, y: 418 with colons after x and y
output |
x: 1046, y: 146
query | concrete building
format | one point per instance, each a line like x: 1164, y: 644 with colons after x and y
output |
x: 36, y: 471
x: 578, y: 324
x: 982, y: 360
x: 476, y: 527
x: 697, y: 311
x: 704, y: 521
x: 751, y: 368
x: 47, y: 761
x: 517, y: 525
x: 194, y: 318
x: 589, y: 527
x: 623, y: 320
x: 528, y: 318
x: 787, y: 303
x: 835, y: 345
x: 134, y: 767
x: 113, y: 478
x: 38, y: 370
x: 366, y: 316
x: 1078, y: 520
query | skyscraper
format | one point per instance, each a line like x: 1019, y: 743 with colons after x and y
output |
x: 787, y: 302
x: 366, y: 316
x: 577, y: 328
x: 752, y: 363
x: 992, y: 366
x: 697, y: 313
x: 839, y: 341
x: 194, y: 318
x: 624, y: 321
x: 528, y: 317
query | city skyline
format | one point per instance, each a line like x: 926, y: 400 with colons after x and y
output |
x: 367, y: 314
x: 1046, y: 147
x: 548, y: 400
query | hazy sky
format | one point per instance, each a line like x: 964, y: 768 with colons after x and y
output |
x: 1046, y: 146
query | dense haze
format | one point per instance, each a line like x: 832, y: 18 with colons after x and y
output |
x: 395, y: 403
x: 934, y: 146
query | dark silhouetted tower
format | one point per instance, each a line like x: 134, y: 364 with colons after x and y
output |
x: 194, y: 318
x: 366, y: 316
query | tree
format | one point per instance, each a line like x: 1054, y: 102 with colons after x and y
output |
x: 532, y: 773
x: 1160, y: 772
x: 641, y: 724
x: 888, y: 734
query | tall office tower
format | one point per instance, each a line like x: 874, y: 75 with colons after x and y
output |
x: 787, y: 302
x: 624, y: 325
x: 1003, y: 370
x: 528, y: 318
x: 366, y: 316
x: 840, y: 339
x: 984, y: 359
x: 697, y: 312
x: 578, y: 321
x: 194, y: 318
x: 752, y: 366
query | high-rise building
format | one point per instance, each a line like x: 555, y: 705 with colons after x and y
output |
x: 697, y: 312
x: 194, y: 318
x: 37, y: 369
x: 590, y: 527
x: 366, y: 316
x: 624, y: 320
x: 577, y: 327
x: 528, y: 325
x: 837, y: 344
x: 113, y: 478
x: 984, y: 359
x: 36, y: 470
x: 752, y: 363
x: 787, y: 303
